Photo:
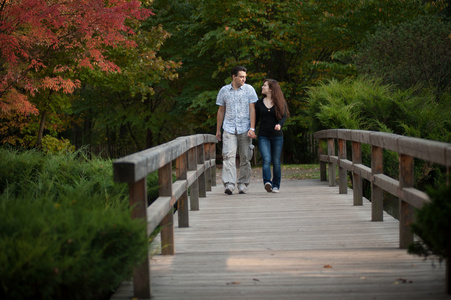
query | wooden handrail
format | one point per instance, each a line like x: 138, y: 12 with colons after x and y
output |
x: 408, y: 148
x: 195, y: 168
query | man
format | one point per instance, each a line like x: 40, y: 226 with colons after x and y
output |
x: 236, y: 116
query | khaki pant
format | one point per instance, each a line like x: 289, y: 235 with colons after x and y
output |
x: 229, y: 149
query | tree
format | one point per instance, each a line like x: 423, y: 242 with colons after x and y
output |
x: 413, y: 53
x: 128, y: 106
x: 43, y: 44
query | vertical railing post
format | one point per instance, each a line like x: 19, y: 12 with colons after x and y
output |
x: 141, y: 273
x: 182, y: 203
x: 377, y: 193
x: 202, y: 180
x: 194, y: 188
x: 213, y: 167
x: 167, y: 224
x: 207, y: 170
x: 406, y: 211
x: 342, y: 173
x: 331, y: 152
x: 448, y: 276
x: 322, y: 164
x: 357, y: 186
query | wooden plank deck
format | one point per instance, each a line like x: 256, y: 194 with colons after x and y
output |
x: 306, y: 242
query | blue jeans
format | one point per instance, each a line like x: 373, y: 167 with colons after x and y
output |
x: 271, y: 150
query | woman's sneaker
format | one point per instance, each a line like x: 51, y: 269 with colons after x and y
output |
x: 275, y: 190
x: 268, y: 187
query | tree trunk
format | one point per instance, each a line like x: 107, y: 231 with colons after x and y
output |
x: 149, y: 139
x: 110, y: 147
x: 41, y: 129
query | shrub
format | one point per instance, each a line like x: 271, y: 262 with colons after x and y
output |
x: 433, y: 226
x: 51, y: 144
x: 66, y: 249
x: 366, y: 103
x: 65, y: 230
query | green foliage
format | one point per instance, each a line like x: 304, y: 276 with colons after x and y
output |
x: 367, y: 104
x: 65, y: 231
x: 53, y: 145
x: 184, y: 54
x: 298, y: 43
x: 433, y: 226
x: 411, y: 54
x: 131, y: 106
x: 66, y: 249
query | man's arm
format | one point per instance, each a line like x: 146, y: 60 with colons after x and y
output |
x: 219, y: 120
x: 251, y: 132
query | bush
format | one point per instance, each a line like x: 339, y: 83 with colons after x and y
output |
x: 433, y: 226
x: 65, y: 230
x: 53, y: 145
x: 368, y: 104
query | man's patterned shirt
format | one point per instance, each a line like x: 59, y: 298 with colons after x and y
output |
x: 236, y: 102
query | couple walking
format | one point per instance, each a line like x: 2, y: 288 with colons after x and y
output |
x: 239, y: 113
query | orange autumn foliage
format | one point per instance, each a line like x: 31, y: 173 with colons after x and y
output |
x: 44, y: 42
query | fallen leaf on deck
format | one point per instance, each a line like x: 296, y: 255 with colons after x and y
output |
x: 233, y: 282
x: 328, y: 266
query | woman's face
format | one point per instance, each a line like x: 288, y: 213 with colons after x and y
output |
x: 265, y: 89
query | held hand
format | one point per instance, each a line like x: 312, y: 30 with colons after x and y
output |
x: 251, y: 134
x: 277, y: 127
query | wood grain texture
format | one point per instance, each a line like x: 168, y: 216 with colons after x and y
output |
x: 306, y: 242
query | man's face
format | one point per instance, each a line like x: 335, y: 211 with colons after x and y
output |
x: 240, y: 79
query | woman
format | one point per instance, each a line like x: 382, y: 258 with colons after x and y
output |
x: 271, y: 112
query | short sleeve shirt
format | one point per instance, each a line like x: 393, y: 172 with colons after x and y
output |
x: 236, y: 102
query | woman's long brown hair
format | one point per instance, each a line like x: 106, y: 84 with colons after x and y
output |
x: 280, y: 105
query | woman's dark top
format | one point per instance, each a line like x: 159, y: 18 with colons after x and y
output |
x: 268, y: 120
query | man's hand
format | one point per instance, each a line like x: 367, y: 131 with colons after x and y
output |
x: 251, y: 134
x: 218, y: 135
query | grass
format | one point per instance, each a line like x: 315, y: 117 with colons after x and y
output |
x: 297, y: 172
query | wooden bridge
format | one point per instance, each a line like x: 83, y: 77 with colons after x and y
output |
x: 312, y: 240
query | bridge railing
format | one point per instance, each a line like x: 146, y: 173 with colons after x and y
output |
x: 408, y: 149
x: 195, y: 169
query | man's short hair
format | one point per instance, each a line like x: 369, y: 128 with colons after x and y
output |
x: 237, y: 69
